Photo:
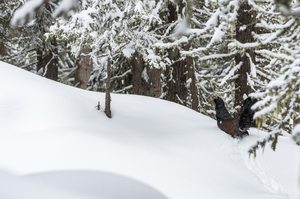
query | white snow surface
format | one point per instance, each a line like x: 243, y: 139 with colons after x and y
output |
x: 13, y: 187
x: 95, y: 183
x: 52, y: 134
x: 74, y: 185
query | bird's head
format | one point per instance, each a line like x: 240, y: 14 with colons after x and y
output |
x: 218, y: 101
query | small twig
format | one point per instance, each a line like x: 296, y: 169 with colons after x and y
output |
x: 98, y: 107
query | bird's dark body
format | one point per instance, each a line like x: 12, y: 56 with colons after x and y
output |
x: 236, y: 127
x: 229, y: 126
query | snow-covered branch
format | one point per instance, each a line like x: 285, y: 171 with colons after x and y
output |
x: 26, y: 12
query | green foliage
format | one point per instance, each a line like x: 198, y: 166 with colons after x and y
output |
x: 273, y: 139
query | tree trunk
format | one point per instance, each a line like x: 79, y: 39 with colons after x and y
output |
x: 39, y: 57
x: 193, y: 86
x: 145, y: 79
x: 47, y: 53
x: 84, y: 68
x: 48, y: 60
x: 3, y: 51
x: 51, y: 61
x: 154, y: 81
x: 244, y: 27
x: 177, y: 75
x: 107, y: 110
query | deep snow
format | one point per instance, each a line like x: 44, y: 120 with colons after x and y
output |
x: 94, y: 184
x: 46, y: 127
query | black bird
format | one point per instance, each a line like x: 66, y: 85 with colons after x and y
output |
x: 236, y: 127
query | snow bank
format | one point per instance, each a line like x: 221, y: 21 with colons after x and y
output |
x: 13, y: 187
x: 93, y: 184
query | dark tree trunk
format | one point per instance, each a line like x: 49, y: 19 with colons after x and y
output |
x: 177, y: 75
x: 39, y: 57
x: 84, y: 68
x: 107, y: 109
x: 193, y: 86
x: 48, y: 60
x: 51, y: 61
x: 145, y: 79
x: 154, y: 82
x: 244, y: 27
x: 138, y: 83
x: 47, y: 53
x: 3, y: 51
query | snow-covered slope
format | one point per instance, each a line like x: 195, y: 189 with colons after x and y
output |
x: 46, y: 126
x: 95, y: 183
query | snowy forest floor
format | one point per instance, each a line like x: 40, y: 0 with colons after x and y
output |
x: 50, y: 128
